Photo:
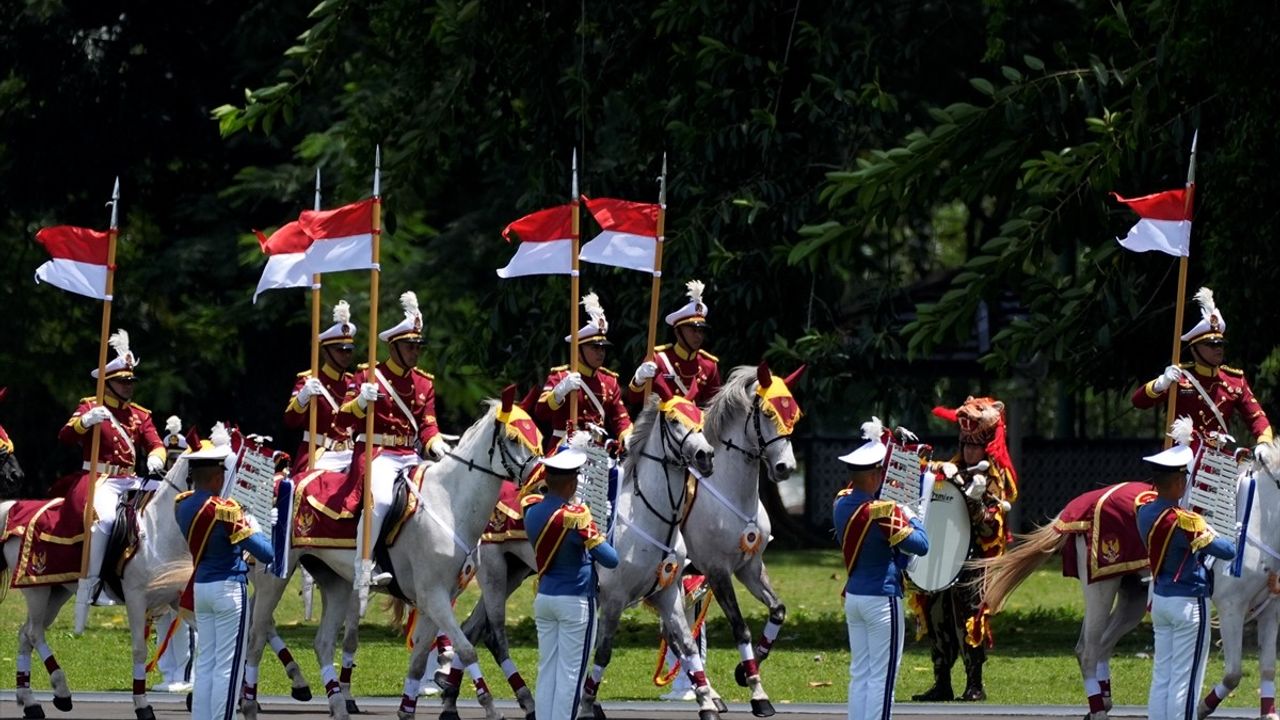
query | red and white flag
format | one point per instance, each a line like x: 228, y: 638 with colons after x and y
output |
x: 629, y: 237
x: 319, y: 241
x: 546, y: 243
x: 79, y: 263
x: 1165, y: 225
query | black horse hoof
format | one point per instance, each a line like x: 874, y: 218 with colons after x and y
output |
x: 708, y: 715
x: 597, y: 712
x: 33, y: 712
x: 762, y: 708
x: 62, y: 703
x: 450, y: 715
x: 720, y: 706
x: 188, y: 702
x: 531, y: 716
x: 145, y: 713
x: 740, y: 675
x: 352, y: 708
x: 301, y: 694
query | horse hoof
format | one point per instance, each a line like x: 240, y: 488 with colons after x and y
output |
x: 145, y: 713
x: 352, y: 708
x: 597, y: 712
x: 740, y: 675
x: 720, y: 706
x: 62, y: 703
x: 450, y: 715
x: 33, y: 712
x: 762, y: 708
x: 531, y: 716
x: 188, y: 702
x: 301, y: 694
x: 708, y: 715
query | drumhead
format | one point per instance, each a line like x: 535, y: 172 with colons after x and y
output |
x: 947, y: 525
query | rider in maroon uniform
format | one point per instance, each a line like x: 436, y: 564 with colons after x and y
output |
x: 689, y: 370
x: 329, y: 389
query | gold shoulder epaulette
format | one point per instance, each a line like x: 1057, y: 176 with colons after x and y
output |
x: 143, y: 409
x: 1186, y: 365
x: 362, y: 366
x: 183, y: 496
x: 226, y: 510
x: 1190, y: 521
x: 89, y: 400
x: 425, y: 374
x: 845, y: 492
x: 880, y: 508
x: 305, y: 373
x: 607, y: 371
x: 709, y: 356
x: 530, y: 500
x: 662, y: 348
x: 1232, y: 371
x: 577, y: 517
x: 559, y: 368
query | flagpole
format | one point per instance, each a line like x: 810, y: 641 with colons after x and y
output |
x: 315, y: 350
x: 574, y: 235
x: 1171, y: 403
x: 100, y: 393
x: 652, y: 337
x: 366, y: 552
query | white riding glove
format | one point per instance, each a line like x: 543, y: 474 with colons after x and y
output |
x: 309, y: 389
x: 907, y: 436
x: 438, y: 448
x: 368, y: 394
x: 155, y: 464
x: 94, y: 416
x: 567, y: 384
x: 949, y: 470
x: 252, y: 522
x: 1170, y: 376
x: 977, y: 486
x: 647, y: 371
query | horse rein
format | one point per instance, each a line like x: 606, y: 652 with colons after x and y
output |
x: 677, y: 503
x: 754, y: 419
x: 513, y: 469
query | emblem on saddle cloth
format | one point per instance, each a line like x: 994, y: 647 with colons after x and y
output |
x: 1110, y: 549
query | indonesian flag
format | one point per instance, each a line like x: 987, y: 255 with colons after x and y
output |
x: 79, y: 263
x: 1165, y: 225
x: 546, y: 243
x: 630, y: 234
x: 319, y: 241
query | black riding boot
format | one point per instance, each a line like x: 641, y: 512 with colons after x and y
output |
x: 941, y: 690
x: 973, y: 691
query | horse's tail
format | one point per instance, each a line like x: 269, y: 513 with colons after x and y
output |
x: 1003, y: 574
x: 398, y: 615
x: 169, y: 575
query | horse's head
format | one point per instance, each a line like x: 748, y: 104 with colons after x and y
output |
x: 516, y: 438
x: 773, y: 419
x: 679, y: 429
x: 13, y: 483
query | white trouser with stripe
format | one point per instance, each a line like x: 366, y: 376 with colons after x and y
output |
x: 876, y: 628
x: 221, y: 619
x: 385, y: 468
x: 565, y: 625
x: 1181, y: 650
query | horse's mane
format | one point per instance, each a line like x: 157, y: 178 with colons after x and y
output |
x: 641, y: 428
x: 469, y: 437
x: 735, y: 397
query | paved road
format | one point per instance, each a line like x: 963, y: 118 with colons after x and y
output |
x: 117, y: 706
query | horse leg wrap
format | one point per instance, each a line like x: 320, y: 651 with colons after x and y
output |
x: 50, y: 662
x: 1105, y: 687
x: 1268, y: 705
x: 767, y: 637
x: 330, y: 678
x: 513, y: 675
x: 455, y: 676
x: 1216, y: 696
x: 409, y: 703
x: 250, y: 691
x: 1096, y: 703
x: 24, y: 671
x: 591, y: 688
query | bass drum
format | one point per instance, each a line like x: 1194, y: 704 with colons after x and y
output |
x: 947, y: 525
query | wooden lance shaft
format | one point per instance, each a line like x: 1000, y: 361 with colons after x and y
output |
x: 1171, y: 402
x: 315, y: 369
x: 652, y: 338
x: 573, y: 306
x: 96, y: 443
x: 367, y: 551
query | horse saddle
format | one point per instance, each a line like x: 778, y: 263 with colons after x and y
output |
x: 404, y: 504
x: 122, y: 545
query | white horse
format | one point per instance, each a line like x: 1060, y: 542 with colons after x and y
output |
x: 152, y: 583
x: 651, y: 549
x: 1115, y: 605
x: 502, y: 568
x: 454, y: 502
x: 728, y: 529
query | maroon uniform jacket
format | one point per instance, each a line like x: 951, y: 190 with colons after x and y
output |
x: 1227, y: 388
x: 330, y: 435
x: 696, y: 377
x: 604, y: 385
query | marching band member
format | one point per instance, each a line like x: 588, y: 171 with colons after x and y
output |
x: 875, y: 536
x: 403, y: 401
x: 218, y: 533
x: 566, y: 542
x: 599, y: 396
x: 1177, y: 542
x: 126, y: 429
x: 1209, y: 392
x: 955, y: 620
x: 334, y: 384
x: 689, y: 370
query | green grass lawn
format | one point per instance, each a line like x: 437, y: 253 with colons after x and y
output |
x: 1033, y: 661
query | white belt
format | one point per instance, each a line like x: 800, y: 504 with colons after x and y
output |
x: 383, y: 440
x: 329, y: 443
x: 111, y: 470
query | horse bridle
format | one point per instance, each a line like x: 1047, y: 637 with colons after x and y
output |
x: 514, y: 470
x: 754, y: 419
x: 677, y: 503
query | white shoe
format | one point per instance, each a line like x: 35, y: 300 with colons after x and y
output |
x: 380, y: 579
x: 679, y: 695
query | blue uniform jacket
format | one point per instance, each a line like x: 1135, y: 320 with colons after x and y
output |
x: 222, y: 559
x: 570, y: 571
x: 877, y: 569
x: 1182, y: 572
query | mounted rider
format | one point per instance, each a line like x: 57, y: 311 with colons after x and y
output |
x: 599, y: 394
x: 1209, y: 392
x: 403, y: 401
x: 127, y: 431
x: 689, y: 370
x: 330, y: 388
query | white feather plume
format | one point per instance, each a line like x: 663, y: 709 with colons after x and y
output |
x: 409, y: 301
x: 595, y: 311
x: 695, y: 288
x: 1182, y: 430
x: 119, y: 341
x: 580, y: 440
x: 342, y: 311
x: 219, y: 435
x: 173, y: 425
x: 1204, y: 296
x: 872, y: 429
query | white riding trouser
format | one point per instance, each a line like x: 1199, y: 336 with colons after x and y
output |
x: 565, y: 625
x: 106, y: 496
x: 382, y: 482
x: 334, y: 460
x: 1181, y: 651
x: 221, y: 621
x: 173, y: 663
x: 876, y: 628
